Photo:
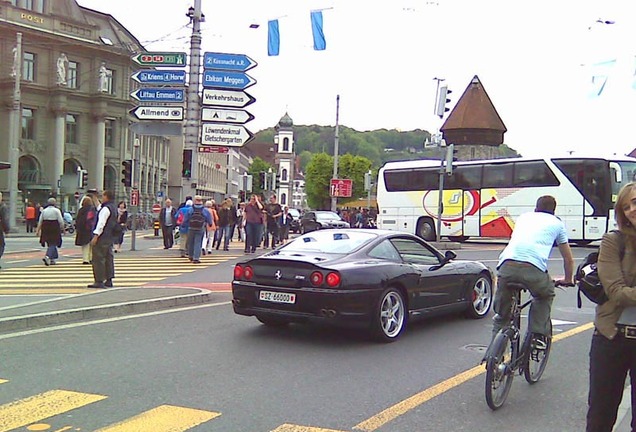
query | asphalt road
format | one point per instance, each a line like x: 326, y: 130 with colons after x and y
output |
x: 211, y: 370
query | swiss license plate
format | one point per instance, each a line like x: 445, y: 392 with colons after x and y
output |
x: 277, y: 297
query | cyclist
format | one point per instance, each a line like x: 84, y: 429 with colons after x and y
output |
x: 525, y: 260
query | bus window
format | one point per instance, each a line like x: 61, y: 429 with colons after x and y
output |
x: 534, y: 173
x: 497, y: 175
x: 592, y: 178
x: 464, y: 177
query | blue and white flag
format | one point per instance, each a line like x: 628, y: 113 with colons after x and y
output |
x: 316, y: 28
x: 273, y: 38
x: 601, y: 73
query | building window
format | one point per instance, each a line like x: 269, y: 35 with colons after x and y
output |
x: 72, y: 75
x: 110, y: 81
x: 28, y: 67
x: 283, y: 176
x: 28, y: 124
x: 283, y: 199
x: 32, y: 5
x: 109, y: 134
x: 285, y: 144
x: 71, y: 129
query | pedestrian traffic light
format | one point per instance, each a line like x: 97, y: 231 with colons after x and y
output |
x: 127, y: 173
x: 451, y: 156
x: 442, y: 101
x: 242, y: 196
x: 186, y: 171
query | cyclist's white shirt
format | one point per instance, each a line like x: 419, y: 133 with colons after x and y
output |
x: 533, y: 238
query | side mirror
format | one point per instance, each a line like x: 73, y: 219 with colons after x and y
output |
x: 450, y: 255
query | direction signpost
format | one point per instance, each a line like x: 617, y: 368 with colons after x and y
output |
x: 157, y: 113
x: 224, y: 115
x: 227, y: 98
x: 213, y: 149
x: 227, y: 80
x: 160, y: 59
x: 341, y: 188
x: 225, y: 135
x: 223, y: 61
x: 165, y: 77
x: 158, y: 94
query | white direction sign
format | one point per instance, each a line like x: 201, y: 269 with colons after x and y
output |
x: 223, y: 115
x: 226, y: 98
x: 224, y: 135
x: 157, y: 113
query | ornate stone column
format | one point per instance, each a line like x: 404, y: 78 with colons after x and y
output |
x: 97, y: 154
x: 56, y: 168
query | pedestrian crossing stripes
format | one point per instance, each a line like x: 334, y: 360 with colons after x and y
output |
x: 165, y: 418
x: 71, y: 277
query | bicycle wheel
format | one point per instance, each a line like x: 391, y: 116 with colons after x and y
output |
x: 499, y: 370
x: 535, y: 359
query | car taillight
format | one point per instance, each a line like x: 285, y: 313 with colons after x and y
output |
x: 333, y: 279
x: 238, y: 272
x: 316, y: 278
x: 248, y: 273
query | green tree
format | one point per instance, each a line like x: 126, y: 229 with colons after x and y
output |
x: 258, y: 166
x: 317, y: 181
x: 305, y: 156
x: 354, y: 167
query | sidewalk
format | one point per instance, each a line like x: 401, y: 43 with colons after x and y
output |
x: 100, y: 304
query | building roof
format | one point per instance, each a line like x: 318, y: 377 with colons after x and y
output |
x: 474, y: 110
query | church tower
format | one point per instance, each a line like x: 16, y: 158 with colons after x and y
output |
x: 284, y: 160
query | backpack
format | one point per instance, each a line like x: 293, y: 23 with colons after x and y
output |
x: 197, y: 220
x: 180, y: 218
x: 90, y: 220
x: 587, y: 280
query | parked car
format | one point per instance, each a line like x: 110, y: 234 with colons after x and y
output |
x: 295, y: 223
x: 375, y: 280
x: 321, y: 219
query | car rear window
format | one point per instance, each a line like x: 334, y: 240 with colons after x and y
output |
x: 329, y: 241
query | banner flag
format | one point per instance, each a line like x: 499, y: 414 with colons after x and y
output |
x: 600, y: 76
x: 316, y: 28
x: 273, y: 38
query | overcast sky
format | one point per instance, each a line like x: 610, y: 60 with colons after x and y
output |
x: 534, y: 60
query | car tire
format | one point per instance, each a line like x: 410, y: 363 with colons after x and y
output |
x: 480, y: 297
x: 389, y: 316
x: 272, y: 321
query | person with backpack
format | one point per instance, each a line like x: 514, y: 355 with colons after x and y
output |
x: 613, y: 347
x: 84, y: 228
x: 197, y: 219
x: 183, y: 228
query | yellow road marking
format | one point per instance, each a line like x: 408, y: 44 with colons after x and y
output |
x: 295, y: 428
x: 164, y: 418
x: 2, y: 381
x: 44, y: 291
x: 393, y: 412
x: 26, y: 411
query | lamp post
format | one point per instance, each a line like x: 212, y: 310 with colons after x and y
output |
x: 334, y: 200
x: 136, y: 178
x: 14, y: 133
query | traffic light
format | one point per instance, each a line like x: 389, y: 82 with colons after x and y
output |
x: 367, y: 181
x: 262, y: 178
x: 442, y: 101
x: 127, y: 173
x: 451, y: 156
x: 186, y: 171
x: 82, y: 178
x: 274, y: 181
x: 242, y: 196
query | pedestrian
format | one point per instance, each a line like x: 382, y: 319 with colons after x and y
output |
x: 4, y: 225
x: 102, y: 242
x: 274, y: 212
x: 122, y: 219
x: 224, y: 227
x: 233, y: 219
x: 50, y: 229
x: 183, y: 228
x: 197, y: 218
x: 253, y: 216
x: 30, y: 217
x: 84, y: 225
x: 168, y: 221
x: 240, y: 225
x: 613, y: 347
x: 285, y: 223
x: 210, y: 231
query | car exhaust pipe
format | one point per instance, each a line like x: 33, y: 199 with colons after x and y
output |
x: 236, y: 302
x: 327, y: 313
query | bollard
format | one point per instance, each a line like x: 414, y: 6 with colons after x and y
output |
x: 156, y: 227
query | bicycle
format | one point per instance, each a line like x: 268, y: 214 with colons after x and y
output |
x: 506, y: 356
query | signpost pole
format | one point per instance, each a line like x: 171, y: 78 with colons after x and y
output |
x: 334, y: 199
x: 135, y: 184
x: 193, y: 111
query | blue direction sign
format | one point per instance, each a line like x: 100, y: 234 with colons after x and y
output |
x: 227, y: 80
x: 156, y: 94
x: 231, y: 62
x: 166, y: 77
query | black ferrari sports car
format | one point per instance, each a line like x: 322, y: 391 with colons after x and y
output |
x: 372, y: 279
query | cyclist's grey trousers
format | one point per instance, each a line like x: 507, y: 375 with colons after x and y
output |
x: 539, y: 284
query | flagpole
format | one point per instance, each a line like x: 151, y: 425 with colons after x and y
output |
x: 334, y: 199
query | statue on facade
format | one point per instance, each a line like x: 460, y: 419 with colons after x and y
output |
x: 62, y: 63
x: 104, y: 75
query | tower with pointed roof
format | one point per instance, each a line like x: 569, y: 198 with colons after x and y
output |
x: 474, y: 125
x: 284, y: 159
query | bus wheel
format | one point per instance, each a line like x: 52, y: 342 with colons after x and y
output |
x: 425, y: 229
x: 582, y: 242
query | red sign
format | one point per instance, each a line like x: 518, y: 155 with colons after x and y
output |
x: 76, y: 195
x: 134, y: 197
x: 213, y: 149
x: 156, y: 208
x: 341, y: 188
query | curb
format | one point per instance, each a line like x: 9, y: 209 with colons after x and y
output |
x: 66, y: 316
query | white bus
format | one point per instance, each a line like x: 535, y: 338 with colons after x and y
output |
x: 483, y: 198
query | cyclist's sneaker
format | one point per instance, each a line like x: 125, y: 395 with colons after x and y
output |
x: 540, y: 342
